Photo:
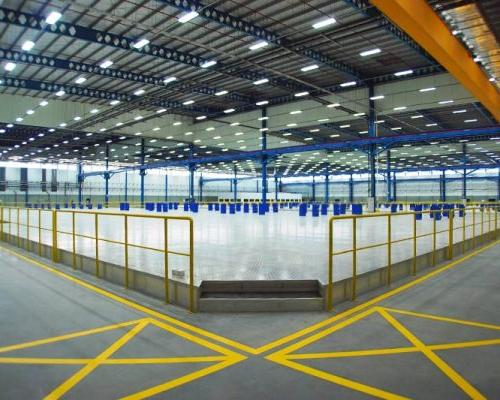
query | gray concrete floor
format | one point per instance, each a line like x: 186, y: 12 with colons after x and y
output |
x: 37, y: 304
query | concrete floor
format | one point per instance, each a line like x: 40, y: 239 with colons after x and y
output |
x: 247, y: 246
x: 170, y: 355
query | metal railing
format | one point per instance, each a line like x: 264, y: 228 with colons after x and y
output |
x: 12, y: 219
x: 491, y: 227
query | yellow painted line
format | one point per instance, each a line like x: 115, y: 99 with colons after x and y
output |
x: 50, y: 361
x: 444, y: 319
x: 67, y: 336
x: 464, y: 345
x: 184, y: 379
x: 167, y: 360
x: 338, y: 380
x: 62, y: 389
x: 354, y: 353
x: 443, y: 366
x: 371, y: 302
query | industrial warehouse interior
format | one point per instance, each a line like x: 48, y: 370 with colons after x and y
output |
x: 249, y: 199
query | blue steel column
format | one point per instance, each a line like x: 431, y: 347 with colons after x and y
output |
x: 126, y: 186
x: 351, y: 189
x: 498, y: 185
x: 394, y: 188
x: 443, y: 185
x: 264, y: 157
x: 142, y: 172
x: 314, y: 189
x: 464, y: 178
x: 166, y: 186
x: 388, y: 174
x: 372, y: 132
x: 200, y: 183
x: 191, y: 182
x: 80, y: 182
x: 276, y: 188
x: 327, y: 185
x: 106, y: 179
x: 235, y: 184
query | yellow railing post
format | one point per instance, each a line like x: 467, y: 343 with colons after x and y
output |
x: 96, y: 230
x: 191, y: 266
x: 354, y: 258
x: 450, y: 233
x: 166, y: 269
x: 389, y: 255
x: 73, y: 237
x: 329, y: 303
x: 126, y: 252
x: 55, y: 254
x: 414, y: 268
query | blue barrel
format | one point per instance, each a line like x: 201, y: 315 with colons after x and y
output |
x: 255, y: 208
x: 418, y: 215
x: 246, y: 208
x: 324, y: 209
x: 72, y: 206
x: 122, y: 206
x: 99, y: 206
x: 315, y: 210
x: 266, y: 207
x: 89, y: 206
x: 193, y: 207
x: 461, y: 209
x: 238, y: 207
x: 66, y: 205
x: 210, y: 207
x: 263, y: 208
x: 394, y: 208
x: 58, y: 206
x: 159, y: 207
x: 232, y: 209
x: 176, y: 206
x: 400, y: 207
x: 343, y: 209
x: 186, y: 206
x: 336, y: 209
x: 302, y: 209
x: 357, y: 209
x: 217, y: 206
x: 223, y: 209
x: 164, y: 207
x: 275, y: 207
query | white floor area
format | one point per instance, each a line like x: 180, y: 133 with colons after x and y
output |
x: 247, y: 246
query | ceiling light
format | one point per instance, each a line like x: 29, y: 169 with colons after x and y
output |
x: 43, y: 103
x: 262, y: 103
x: 208, y: 64
x: 324, y: 23
x: 369, y: 52
x: 295, y: 112
x: 28, y: 45
x: 30, y: 112
x: 138, y: 118
x: 397, y: 128
x: 403, y: 73
x: 106, y: 64
x: 381, y: 96
x: 187, y: 17
x: 345, y: 126
x: 333, y: 105
x: 360, y: 114
x: 63, y: 124
x: 188, y: 102
x: 301, y: 94
x: 260, y: 44
x: 139, y: 92
x: 292, y: 124
x: 309, y: 68
x: 429, y: 89
x: 433, y: 124
x: 445, y: 102
x: 221, y: 93
x: 261, y: 81
x: 229, y: 111
x: 77, y: 118
x: 201, y: 117
x: 400, y: 108
x: 177, y: 123
x: 9, y: 66
x: 94, y: 111
x: 470, y: 120
x: 263, y: 118
x: 140, y: 44
x: 416, y: 116
x: 347, y: 84
x: 119, y: 124
x: 60, y: 93
x: 459, y: 111
x: 169, y: 79
x: 235, y: 124
x: 53, y: 17
x: 80, y: 80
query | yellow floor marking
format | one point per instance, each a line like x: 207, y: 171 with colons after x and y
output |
x: 49, y: 361
x: 444, y: 319
x: 111, y: 361
x: 338, y: 380
x: 356, y: 353
x: 91, y: 366
x: 67, y: 336
x: 464, y: 345
x: 233, y: 343
x: 443, y: 366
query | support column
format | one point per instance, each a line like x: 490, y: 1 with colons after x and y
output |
x: 126, y: 186
x: 388, y: 174
x: 443, y: 185
x: 327, y: 185
x: 351, y: 190
x: 498, y: 185
x: 314, y: 189
x: 192, y: 168
x: 166, y: 187
x: 235, y: 184
x: 264, y: 157
x: 372, y: 132
x: 80, y: 180
x: 464, y: 178
x: 106, y: 179
x: 276, y: 188
x: 394, y: 188
x: 142, y: 172
x: 200, y: 194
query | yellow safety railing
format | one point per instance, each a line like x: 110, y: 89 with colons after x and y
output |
x: 492, y: 228
x: 11, y: 224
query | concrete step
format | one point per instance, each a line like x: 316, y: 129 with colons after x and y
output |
x: 260, y: 296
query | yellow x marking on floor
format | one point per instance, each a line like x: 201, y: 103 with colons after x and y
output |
x: 225, y: 358
x: 287, y: 357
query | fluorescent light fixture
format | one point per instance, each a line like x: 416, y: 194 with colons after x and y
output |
x: 263, y: 118
x: 201, y: 117
x: 229, y: 111
x: 309, y: 68
x: 292, y: 124
x: 301, y: 94
x: 140, y: 43
x: 77, y: 118
x: 188, y: 102
x: 30, y: 112
x: 345, y: 126
x: 370, y: 52
x: 208, y: 64
x: 470, y: 120
x: 262, y: 103
x: 177, y: 123
x: 43, y: 103
x: 347, y: 84
x: 445, y: 102
x: 139, y: 92
x: 169, y: 79
x: 94, y: 111
x: 53, y: 17
x: 119, y: 124
x: 80, y: 80
x: 114, y: 102
x: 9, y: 66
x: 63, y: 124
x: 333, y: 105
x: 380, y: 96
x: 360, y: 114
x: 221, y: 93
x: 416, y: 116
x: 261, y: 81
x: 28, y: 45
x: 459, y: 111
x: 324, y: 23
x: 295, y: 112
x: 187, y: 17
x: 429, y: 89
x: 60, y: 93
x: 403, y: 73
x: 106, y: 64
x: 138, y: 118
x: 235, y: 124
x: 161, y: 110
x: 433, y: 124
x: 260, y: 44
x: 400, y: 108
x: 397, y: 128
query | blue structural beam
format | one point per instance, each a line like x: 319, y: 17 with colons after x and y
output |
x: 443, y: 185
x: 107, y: 176
x: 80, y: 179
x: 142, y: 171
x: 388, y: 141
x: 225, y: 19
x: 313, y: 187
x: 93, y: 93
x: 79, y: 67
x: 372, y: 133
x: 464, y: 177
x: 126, y: 186
x: 388, y: 175
x: 394, y: 187
x: 327, y: 184
x: 166, y: 187
x: 264, y: 156
x: 192, y: 168
x: 351, y: 189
